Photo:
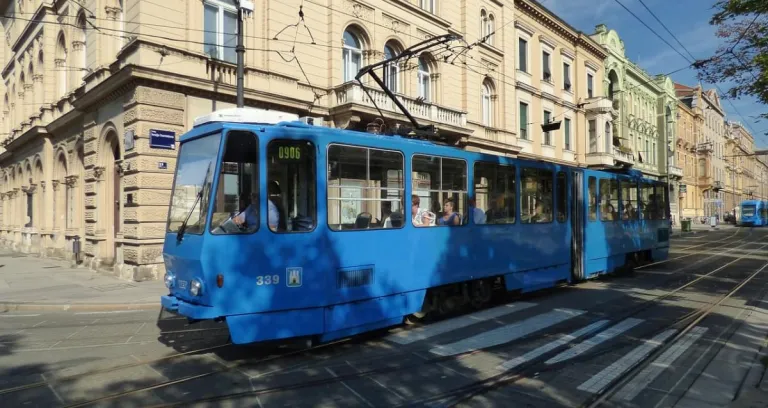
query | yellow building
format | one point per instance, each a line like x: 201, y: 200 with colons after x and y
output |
x: 688, y: 131
x: 87, y: 83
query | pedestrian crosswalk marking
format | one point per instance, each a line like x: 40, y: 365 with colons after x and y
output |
x: 600, y: 380
x: 650, y: 373
x: 425, y: 332
x: 565, y: 339
x: 507, y: 333
x: 595, y: 341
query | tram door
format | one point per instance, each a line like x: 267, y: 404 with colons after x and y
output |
x: 577, y: 226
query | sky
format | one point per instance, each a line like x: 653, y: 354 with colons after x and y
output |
x: 689, y: 22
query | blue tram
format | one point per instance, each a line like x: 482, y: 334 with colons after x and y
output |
x: 754, y: 213
x: 287, y: 230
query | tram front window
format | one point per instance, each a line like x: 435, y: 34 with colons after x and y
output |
x: 194, y: 176
x: 748, y: 211
x: 236, y: 202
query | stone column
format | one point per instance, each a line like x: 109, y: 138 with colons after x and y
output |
x: 78, y: 57
x: 29, y: 101
x: 39, y: 91
x: 437, y: 92
x: 21, y: 111
x: 61, y: 75
x: 56, y: 207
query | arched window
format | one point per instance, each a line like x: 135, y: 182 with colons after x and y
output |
x: 61, y: 70
x: 423, y: 79
x: 483, y: 23
x: 81, y: 36
x: 391, y: 70
x: 352, y: 55
x: 490, y: 26
x: 487, y: 103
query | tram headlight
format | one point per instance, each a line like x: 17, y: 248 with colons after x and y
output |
x: 169, y: 280
x: 195, y: 287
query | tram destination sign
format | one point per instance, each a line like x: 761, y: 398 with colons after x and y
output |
x: 162, y: 139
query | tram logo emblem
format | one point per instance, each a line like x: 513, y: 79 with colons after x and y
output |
x: 293, y: 277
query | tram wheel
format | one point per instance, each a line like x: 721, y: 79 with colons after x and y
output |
x: 481, y: 293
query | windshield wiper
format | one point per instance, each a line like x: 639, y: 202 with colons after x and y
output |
x: 183, y: 227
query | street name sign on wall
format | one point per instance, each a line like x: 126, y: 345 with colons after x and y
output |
x: 162, y: 139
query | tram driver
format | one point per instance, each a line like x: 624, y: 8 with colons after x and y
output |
x: 250, y: 216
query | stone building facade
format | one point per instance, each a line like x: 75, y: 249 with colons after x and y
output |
x: 689, y: 127
x: 710, y: 147
x: 91, y: 87
x: 644, y: 109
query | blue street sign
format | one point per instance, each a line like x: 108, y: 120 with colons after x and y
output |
x: 162, y: 139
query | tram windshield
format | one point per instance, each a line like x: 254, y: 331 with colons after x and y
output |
x: 194, y: 176
x: 748, y: 210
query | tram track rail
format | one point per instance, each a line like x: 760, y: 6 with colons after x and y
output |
x: 361, y: 374
x: 689, y: 321
x: 228, y: 367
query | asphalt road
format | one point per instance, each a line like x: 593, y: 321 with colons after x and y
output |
x: 635, y: 341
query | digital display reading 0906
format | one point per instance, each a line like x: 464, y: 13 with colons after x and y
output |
x: 289, y: 153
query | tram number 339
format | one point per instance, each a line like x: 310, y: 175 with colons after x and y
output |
x: 267, y: 280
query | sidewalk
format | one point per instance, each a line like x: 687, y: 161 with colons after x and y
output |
x: 698, y: 227
x: 29, y: 283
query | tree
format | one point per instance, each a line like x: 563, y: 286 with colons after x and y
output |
x: 743, y: 58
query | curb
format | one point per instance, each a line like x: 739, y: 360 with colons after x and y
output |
x: 6, y: 307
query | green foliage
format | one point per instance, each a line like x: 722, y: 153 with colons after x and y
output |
x: 743, y: 58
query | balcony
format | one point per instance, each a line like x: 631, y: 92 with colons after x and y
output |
x: 350, y: 97
x: 705, y: 147
x: 599, y: 105
x: 675, y: 172
x: 618, y: 157
x: 718, y: 185
x: 705, y: 181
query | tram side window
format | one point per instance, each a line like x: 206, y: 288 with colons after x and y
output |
x: 592, y: 187
x: 365, y: 188
x: 536, y: 196
x: 562, y: 197
x: 495, y: 192
x: 441, y: 187
x: 629, y: 198
x: 648, y: 202
x: 291, y: 174
x: 661, y: 194
x: 238, y: 190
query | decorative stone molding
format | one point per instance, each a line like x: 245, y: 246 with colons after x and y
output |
x: 112, y: 12
x: 37, y: 78
x: 78, y: 45
x: 59, y: 62
x: 71, y: 181
x: 120, y: 168
x: 55, y: 185
x: 28, y: 87
x: 32, y: 189
x: 98, y: 172
x: 42, y: 185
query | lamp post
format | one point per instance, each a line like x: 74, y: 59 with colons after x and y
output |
x: 243, y: 7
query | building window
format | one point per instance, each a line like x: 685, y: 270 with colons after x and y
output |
x: 352, y: 56
x: 220, y: 25
x: 566, y: 76
x: 547, y: 136
x: 487, y: 93
x: 490, y: 26
x: 592, y: 136
x: 590, y: 91
x: 567, y: 133
x: 391, y: 70
x: 428, y: 5
x: 522, y: 55
x: 523, y: 121
x: 423, y: 78
x: 546, y: 68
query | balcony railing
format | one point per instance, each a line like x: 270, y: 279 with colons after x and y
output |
x: 675, y: 172
x: 616, y: 157
x: 352, y: 93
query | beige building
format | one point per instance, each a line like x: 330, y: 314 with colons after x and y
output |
x: 688, y: 131
x: 91, y: 87
x: 710, y: 147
